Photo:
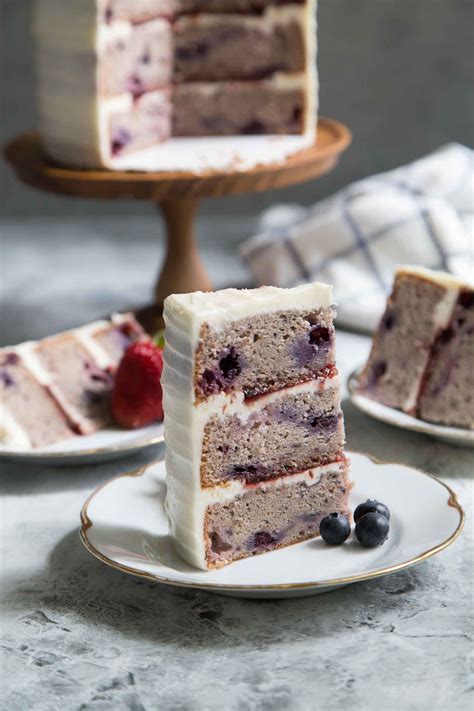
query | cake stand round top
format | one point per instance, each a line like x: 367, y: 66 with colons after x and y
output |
x: 31, y: 166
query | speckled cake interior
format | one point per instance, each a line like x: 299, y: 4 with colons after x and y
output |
x: 253, y: 422
x: 422, y: 353
x: 265, y: 353
x: 269, y: 517
x: 295, y: 432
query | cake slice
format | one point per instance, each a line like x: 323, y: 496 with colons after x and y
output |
x: 422, y: 352
x: 59, y: 387
x: 253, y: 425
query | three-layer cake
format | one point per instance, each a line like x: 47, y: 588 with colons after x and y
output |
x: 116, y: 76
x: 253, y: 425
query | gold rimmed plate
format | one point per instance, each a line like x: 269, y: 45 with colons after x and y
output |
x: 109, y: 443
x: 451, y: 435
x: 124, y: 525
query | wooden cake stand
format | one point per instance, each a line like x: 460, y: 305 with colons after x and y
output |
x: 177, y: 194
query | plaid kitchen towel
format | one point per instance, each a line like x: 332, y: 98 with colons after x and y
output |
x: 419, y: 214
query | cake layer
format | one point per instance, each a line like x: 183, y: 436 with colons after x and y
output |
x: 254, y: 341
x: 227, y: 47
x: 447, y: 394
x: 294, y: 429
x: 238, y: 108
x: 114, y: 337
x: 29, y: 415
x: 133, y: 125
x: 418, y: 309
x: 80, y: 386
x: 275, y: 514
x: 265, y: 353
x: 135, y: 59
x: 195, y: 434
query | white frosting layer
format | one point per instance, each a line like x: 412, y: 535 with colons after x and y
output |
x: 190, y: 311
x: 186, y: 502
x: 185, y: 421
x: 12, y: 434
x: 73, y: 119
x: 444, y: 279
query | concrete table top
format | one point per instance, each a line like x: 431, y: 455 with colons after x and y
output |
x: 78, y: 635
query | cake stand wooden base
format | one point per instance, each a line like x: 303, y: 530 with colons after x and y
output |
x: 177, y: 194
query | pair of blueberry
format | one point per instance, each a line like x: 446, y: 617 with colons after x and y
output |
x: 372, y: 525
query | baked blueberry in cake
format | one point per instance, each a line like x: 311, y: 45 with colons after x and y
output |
x: 59, y: 387
x: 253, y: 423
x: 119, y: 76
x: 421, y: 360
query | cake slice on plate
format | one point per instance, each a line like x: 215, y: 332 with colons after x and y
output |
x: 421, y: 360
x: 59, y: 387
x: 253, y: 425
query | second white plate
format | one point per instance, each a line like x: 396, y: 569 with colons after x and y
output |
x: 452, y: 435
x: 124, y: 525
x: 109, y: 443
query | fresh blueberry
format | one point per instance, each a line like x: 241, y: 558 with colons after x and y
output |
x: 372, y: 529
x: 334, y: 529
x: 371, y: 506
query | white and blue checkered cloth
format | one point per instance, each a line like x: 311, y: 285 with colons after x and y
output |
x: 420, y: 214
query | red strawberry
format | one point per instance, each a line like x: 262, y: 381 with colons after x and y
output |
x: 137, y: 398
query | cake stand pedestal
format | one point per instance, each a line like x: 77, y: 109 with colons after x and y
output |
x: 177, y: 195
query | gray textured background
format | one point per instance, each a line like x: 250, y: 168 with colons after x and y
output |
x: 399, y: 72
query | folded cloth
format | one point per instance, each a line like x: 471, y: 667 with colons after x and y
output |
x: 421, y: 214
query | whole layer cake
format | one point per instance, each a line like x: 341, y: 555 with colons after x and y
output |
x: 59, y: 387
x: 422, y: 354
x: 253, y: 425
x: 118, y: 76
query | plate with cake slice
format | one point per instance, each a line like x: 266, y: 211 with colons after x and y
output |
x: 420, y: 374
x: 255, y: 462
x: 56, y: 395
x: 125, y: 525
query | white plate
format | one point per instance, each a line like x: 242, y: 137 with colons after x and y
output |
x: 109, y: 443
x: 451, y: 435
x: 124, y: 525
